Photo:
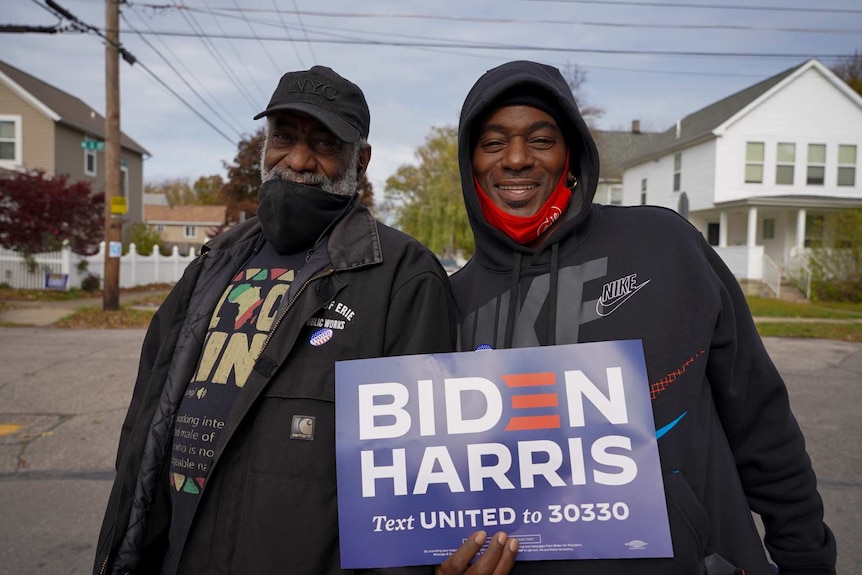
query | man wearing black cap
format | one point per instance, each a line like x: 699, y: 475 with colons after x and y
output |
x: 552, y: 268
x: 226, y: 462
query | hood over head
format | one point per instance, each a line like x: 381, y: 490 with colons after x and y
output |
x: 543, y: 87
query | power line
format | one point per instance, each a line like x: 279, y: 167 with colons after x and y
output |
x: 706, y: 6
x: 190, y: 74
x: 329, y: 33
x: 187, y: 105
x: 521, y: 21
x: 217, y: 56
x: 128, y: 57
x: 522, y: 47
x: 259, y: 41
x: 183, y: 79
x: 302, y: 27
x: 239, y: 59
x: 287, y: 31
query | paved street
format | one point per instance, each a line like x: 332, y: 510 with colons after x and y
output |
x: 63, y: 395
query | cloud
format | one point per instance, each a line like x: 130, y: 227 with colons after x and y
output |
x: 409, y: 89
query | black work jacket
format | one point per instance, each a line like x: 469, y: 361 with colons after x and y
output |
x: 269, y: 505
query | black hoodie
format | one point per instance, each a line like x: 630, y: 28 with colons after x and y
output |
x: 728, y: 442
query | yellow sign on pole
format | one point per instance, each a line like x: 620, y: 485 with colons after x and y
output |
x: 118, y: 205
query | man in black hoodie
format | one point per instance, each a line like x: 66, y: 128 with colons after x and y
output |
x: 552, y: 268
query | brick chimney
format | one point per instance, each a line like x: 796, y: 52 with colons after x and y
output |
x: 636, y: 126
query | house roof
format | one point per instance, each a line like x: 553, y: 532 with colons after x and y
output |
x: 702, y: 123
x: 61, y: 106
x: 200, y: 215
x: 616, y: 147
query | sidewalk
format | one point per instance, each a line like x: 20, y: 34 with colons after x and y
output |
x: 47, y: 313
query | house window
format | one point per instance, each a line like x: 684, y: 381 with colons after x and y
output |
x: 754, y: 162
x: 816, y: 164
x: 89, y: 162
x: 190, y: 232
x: 10, y: 141
x: 768, y: 229
x: 677, y: 171
x: 616, y: 196
x: 124, y: 181
x: 785, y: 158
x: 160, y: 228
x: 643, y: 191
x: 847, y: 165
x: 814, y: 231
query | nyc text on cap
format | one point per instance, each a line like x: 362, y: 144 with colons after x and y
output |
x: 323, y: 94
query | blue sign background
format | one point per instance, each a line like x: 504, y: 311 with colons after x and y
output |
x: 590, y: 520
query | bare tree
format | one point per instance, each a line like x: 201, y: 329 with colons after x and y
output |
x: 849, y: 69
x: 576, y: 77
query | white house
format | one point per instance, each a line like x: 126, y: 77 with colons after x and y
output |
x: 760, y: 171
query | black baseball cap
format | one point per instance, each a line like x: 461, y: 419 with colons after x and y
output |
x: 321, y: 93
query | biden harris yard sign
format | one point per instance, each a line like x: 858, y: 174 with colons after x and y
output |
x: 554, y: 445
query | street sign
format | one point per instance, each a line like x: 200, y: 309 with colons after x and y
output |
x: 118, y: 205
x: 93, y: 145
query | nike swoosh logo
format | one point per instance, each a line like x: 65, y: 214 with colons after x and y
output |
x: 669, y: 426
x: 606, y: 309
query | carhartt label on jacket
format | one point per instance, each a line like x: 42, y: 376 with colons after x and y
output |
x: 302, y: 427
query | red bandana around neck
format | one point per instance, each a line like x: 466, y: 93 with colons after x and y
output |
x: 526, y: 229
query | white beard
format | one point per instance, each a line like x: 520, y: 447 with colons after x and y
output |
x: 345, y: 186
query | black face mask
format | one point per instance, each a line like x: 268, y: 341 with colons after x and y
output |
x: 294, y: 216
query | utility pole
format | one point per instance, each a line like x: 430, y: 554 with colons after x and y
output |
x: 113, y: 175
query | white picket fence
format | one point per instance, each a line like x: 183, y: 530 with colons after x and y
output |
x: 65, y: 268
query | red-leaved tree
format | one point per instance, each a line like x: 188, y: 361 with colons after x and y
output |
x: 38, y: 213
x: 243, y: 177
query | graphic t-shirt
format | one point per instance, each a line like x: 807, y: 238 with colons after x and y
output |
x: 238, y: 328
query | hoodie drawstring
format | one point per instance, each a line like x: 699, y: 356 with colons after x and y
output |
x: 514, y: 298
x: 552, y: 302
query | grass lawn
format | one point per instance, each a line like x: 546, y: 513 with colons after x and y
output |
x: 140, y: 304
x: 835, y: 331
x: 766, y: 307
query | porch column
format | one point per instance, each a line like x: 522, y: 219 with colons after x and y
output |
x: 800, y: 229
x: 722, y: 229
x: 751, y: 240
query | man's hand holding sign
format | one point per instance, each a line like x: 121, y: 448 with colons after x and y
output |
x: 554, y: 446
x: 497, y: 559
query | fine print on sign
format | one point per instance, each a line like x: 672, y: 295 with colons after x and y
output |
x: 554, y: 445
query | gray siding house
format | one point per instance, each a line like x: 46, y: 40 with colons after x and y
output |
x: 44, y: 128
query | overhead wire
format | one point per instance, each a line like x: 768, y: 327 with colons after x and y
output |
x: 287, y: 31
x: 458, y: 48
x: 190, y: 73
x: 806, y: 9
x: 527, y: 47
x: 520, y: 21
x: 259, y: 41
x: 184, y: 79
x: 331, y: 32
x: 302, y: 27
x: 240, y: 59
x: 128, y: 57
x: 217, y: 56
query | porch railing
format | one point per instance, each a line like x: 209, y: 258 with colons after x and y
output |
x: 771, y: 275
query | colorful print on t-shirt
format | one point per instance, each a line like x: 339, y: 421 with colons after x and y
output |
x: 238, y: 328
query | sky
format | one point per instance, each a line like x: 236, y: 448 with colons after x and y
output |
x: 206, y: 67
